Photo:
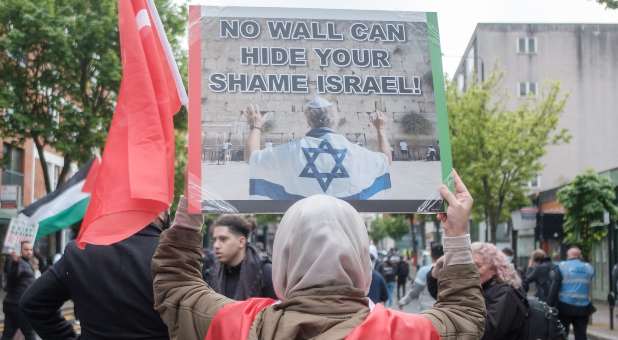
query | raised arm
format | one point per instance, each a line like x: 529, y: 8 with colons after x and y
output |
x: 459, y: 312
x: 185, y: 302
x: 379, y: 122
x: 256, y: 122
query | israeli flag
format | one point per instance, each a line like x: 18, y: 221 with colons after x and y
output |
x: 322, y: 162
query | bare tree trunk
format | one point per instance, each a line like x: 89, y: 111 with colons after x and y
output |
x: 493, y: 226
x: 513, y: 234
x: 65, y: 171
x: 40, y: 149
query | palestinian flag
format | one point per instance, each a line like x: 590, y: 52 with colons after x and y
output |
x: 61, y: 208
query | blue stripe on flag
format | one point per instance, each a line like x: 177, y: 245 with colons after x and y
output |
x: 381, y: 183
x: 274, y: 191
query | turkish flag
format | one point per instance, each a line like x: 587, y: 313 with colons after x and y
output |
x: 135, y: 180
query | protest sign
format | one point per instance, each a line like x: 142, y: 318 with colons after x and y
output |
x: 20, y: 229
x: 288, y: 103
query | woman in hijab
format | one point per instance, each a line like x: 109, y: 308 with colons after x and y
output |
x: 321, y: 276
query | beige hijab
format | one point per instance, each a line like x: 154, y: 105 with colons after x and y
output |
x: 321, y: 241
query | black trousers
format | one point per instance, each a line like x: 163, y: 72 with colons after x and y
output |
x: 14, y: 319
x: 580, y: 324
x: 401, y: 285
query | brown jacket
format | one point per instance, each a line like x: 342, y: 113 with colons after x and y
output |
x: 187, y: 304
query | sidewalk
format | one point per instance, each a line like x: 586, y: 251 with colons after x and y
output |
x: 599, y: 329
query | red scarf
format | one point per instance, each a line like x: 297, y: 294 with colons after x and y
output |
x: 234, y: 322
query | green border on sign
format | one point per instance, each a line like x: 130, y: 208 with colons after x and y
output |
x: 435, y: 53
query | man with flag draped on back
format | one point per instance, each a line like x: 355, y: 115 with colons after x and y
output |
x: 131, y: 189
x: 321, y: 162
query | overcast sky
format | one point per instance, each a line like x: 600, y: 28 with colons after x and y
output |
x: 458, y: 18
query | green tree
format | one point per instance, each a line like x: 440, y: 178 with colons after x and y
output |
x: 377, y: 232
x: 262, y: 219
x: 585, y: 200
x: 60, y: 72
x: 394, y: 227
x: 497, y: 151
x: 613, y: 4
x: 397, y: 226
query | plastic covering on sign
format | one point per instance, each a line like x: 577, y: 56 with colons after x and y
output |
x: 436, y: 203
x: 221, y: 175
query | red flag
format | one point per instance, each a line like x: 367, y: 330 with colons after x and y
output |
x: 135, y: 181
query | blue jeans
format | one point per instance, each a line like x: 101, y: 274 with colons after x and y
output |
x: 390, y: 288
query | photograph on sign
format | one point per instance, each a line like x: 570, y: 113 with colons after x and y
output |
x: 290, y: 103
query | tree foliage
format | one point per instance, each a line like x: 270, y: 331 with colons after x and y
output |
x: 612, y: 4
x: 264, y: 219
x: 585, y: 199
x: 60, y: 72
x: 377, y: 232
x: 395, y: 227
x: 498, y: 150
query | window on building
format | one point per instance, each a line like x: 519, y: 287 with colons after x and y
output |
x: 54, y: 173
x: 523, y: 89
x: 521, y: 45
x: 532, y: 89
x: 526, y: 45
x: 535, y: 183
x: 12, y: 165
x: 526, y: 88
x: 469, y: 64
x: 531, y: 45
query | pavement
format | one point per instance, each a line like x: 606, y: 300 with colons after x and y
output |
x: 599, y: 328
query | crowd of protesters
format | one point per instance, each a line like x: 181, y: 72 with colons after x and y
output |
x: 324, y: 281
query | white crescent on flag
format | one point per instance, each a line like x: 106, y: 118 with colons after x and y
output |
x: 142, y: 19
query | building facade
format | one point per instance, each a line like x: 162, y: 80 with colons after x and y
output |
x: 22, y: 183
x: 583, y: 58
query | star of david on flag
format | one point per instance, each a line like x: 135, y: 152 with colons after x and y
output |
x: 325, y: 164
x: 324, y: 178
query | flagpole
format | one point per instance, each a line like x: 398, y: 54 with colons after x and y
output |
x: 182, y: 93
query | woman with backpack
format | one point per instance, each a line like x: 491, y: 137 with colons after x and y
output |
x: 507, y: 307
x: 510, y: 315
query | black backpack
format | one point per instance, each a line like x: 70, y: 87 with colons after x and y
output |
x: 543, y: 322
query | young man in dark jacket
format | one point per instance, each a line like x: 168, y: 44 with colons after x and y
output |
x: 111, y: 288
x: 240, y: 272
x: 20, y: 275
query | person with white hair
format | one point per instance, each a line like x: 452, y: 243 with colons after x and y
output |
x: 321, y: 162
x: 321, y: 274
x: 507, y: 308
